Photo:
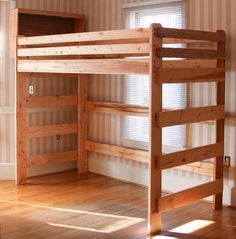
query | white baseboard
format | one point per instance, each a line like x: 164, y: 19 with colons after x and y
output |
x: 7, y: 171
x: 173, y: 180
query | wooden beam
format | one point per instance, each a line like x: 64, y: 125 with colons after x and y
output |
x: 190, y: 115
x: 126, y: 49
x: 204, y: 168
x: 188, y: 156
x: 53, y: 158
x: 117, y: 108
x: 20, y: 126
x: 108, y: 66
x: 118, y: 151
x: 155, y: 141
x: 191, y: 34
x: 141, y: 33
x: 187, y: 196
x: 82, y: 124
x: 220, y: 123
x: 189, y: 63
x: 51, y: 130
x: 190, y: 53
x: 191, y: 75
x: 50, y: 101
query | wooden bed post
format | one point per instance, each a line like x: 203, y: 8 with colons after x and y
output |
x: 82, y: 124
x: 220, y: 100
x: 20, y: 129
x: 155, y: 148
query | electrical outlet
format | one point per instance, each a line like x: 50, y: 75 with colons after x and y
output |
x: 31, y: 89
x: 227, y: 161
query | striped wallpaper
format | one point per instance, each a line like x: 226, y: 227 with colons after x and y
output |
x: 203, y: 15
x: 107, y: 15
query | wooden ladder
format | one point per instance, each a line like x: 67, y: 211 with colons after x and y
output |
x: 159, y: 119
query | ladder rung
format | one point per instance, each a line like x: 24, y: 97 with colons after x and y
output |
x: 191, y: 115
x: 191, y: 155
x: 187, y: 196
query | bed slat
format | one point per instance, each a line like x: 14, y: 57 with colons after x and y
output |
x: 132, y: 49
x: 110, y: 66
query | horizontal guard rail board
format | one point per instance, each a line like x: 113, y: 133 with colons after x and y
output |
x: 117, y: 108
x: 190, y: 34
x: 191, y: 195
x: 143, y: 156
x: 190, y: 115
x: 188, y: 75
x: 191, y: 155
x: 190, y: 53
x: 51, y: 130
x: 142, y: 33
x: 133, y: 49
x: 118, y: 151
x: 53, y: 158
x: 51, y: 101
x: 110, y: 66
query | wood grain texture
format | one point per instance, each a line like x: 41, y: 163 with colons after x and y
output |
x: 20, y: 129
x: 191, y: 155
x: 66, y: 209
x: 220, y: 126
x: 110, y: 66
x: 52, y: 158
x: 191, y: 75
x: 191, y: 115
x: 190, y: 195
x: 82, y: 124
x: 51, y: 130
x: 132, y: 49
x: 50, y: 101
x: 155, y: 131
x: 117, y: 151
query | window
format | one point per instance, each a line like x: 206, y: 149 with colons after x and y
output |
x: 136, y: 129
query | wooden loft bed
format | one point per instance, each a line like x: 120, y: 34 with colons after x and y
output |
x: 119, y: 52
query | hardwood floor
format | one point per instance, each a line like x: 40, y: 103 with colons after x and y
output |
x: 66, y: 206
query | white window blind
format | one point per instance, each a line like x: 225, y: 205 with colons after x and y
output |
x: 136, y: 129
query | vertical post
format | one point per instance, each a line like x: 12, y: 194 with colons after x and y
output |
x: 220, y: 99
x: 155, y: 148
x: 20, y: 128
x: 82, y: 124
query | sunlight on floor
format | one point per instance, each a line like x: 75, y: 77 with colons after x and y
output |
x: 192, y: 226
x: 100, y: 222
x: 76, y: 228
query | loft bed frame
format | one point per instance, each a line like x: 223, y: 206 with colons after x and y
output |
x: 120, y: 52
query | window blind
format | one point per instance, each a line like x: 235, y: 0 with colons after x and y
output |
x: 136, y: 129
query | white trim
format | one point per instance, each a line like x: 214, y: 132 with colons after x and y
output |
x: 7, y: 171
x: 147, y: 3
x: 7, y: 110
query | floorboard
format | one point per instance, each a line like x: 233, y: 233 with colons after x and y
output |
x: 66, y: 206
